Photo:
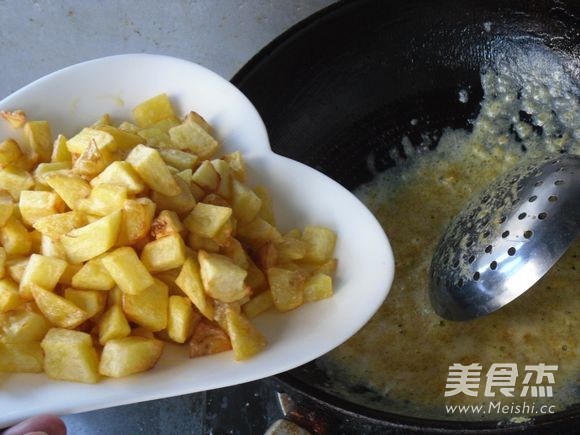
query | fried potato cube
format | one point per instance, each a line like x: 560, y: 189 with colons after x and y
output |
x: 115, y: 297
x: 124, y: 140
x: 20, y: 326
x: 180, y: 318
x: 128, y: 127
x: 208, y: 339
x: 206, y: 177
x: 181, y: 160
x: 103, y: 141
x: 189, y: 281
x: 70, y: 188
x: 148, y: 308
x: 198, y: 119
x: 56, y: 225
x: 41, y: 271
x: 198, y: 243
x: 181, y: 203
x: 318, y: 287
x: 34, y: 205
x: 15, y: 237
x: 9, y: 297
x: 93, y: 276
x: 287, y: 287
x: 246, y: 340
x: 137, y: 217
x: 104, y: 199
x: 51, y: 248
x: 6, y: 207
x: 87, y: 242
x: 235, y: 251
x: 60, y: 152
x: 256, y: 279
x: 16, y: 118
x: 9, y: 151
x: 39, y: 140
x: 153, y: 110
x: 222, y: 278
x: 245, y: 203
x: 127, y: 270
x: 15, y: 266
x: 206, y: 220
x: 266, y: 211
x: 120, y: 174
x: 24, y: 357
x: 126, y: 356
x: 190, y: 136
x: 237, y: 165
x: 155, y: 137
x: 258, y: 304
x: 70, y: 356
x: 165, y: 224
x: 45, y: 170
x: 92, y: 302
x: 258, y: 232
x: 70, y: 271
x: 15, y: 180
x: 92, y: 161
x: 164, y: 254
x: 291, y: 249
x: 58, y: 310
x: 224, y: 172
x: 113, y: 324
x: 320, y: 241
x: 105, y: 119
x: 153, y: 170
x: 266, y: 256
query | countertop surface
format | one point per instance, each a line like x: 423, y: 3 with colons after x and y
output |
x: 41, y: 36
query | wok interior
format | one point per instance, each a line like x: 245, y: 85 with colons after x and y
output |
x: 349, y: 89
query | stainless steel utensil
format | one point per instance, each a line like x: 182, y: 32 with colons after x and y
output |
x: 505, y: 240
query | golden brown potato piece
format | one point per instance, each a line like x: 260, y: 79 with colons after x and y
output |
x: 149, y: 307
x: 287, y: 288
x: 222, y: 278
x: 126, y: 356
x: 23, y: 357
x: 208, y: 339
x: 189, y: 280
x: 246, y: 340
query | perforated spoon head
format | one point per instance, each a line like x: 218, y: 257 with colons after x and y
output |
x: 507, y: 238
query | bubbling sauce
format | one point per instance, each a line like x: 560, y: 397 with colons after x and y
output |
x: 405, y: 350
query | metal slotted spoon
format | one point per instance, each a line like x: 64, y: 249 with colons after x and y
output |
x: 505, y: 240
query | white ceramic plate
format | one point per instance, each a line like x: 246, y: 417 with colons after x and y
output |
x: 76, y: 96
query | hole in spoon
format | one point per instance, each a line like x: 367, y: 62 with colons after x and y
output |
x: 528, y: 234
x: 493, y: 265
x: 512, y: 251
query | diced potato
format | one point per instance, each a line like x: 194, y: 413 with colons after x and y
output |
x: 198, y: 243
x: 181, y: 160
x: 120, y: 174
x: 237, y: 165
x: 51, y: 248
x: 6, y: 207
x: 126, y: 356
x: 21, y: 326
x: 56, y: 225
x: 104, y: 199
x: 206, y: 177
x: 115, y: 297
x: 15, y: 180
x: 197, y: 192
x: 165, y: 224
x: 128, y: 126
x: 153, y: 110
x: 70, y: 356
x: 164, y: 254
x: 155, y: 137
x: 93, y: 276
x: 15, y: 238
x: 127, y: 270
x: 34, y: 205
x: 9, y: 151
x: 266, y: 211
x: 113, y: 324
x: 70, y: 271
x: 15, y: 267
x: 246, y: 340
x: 137, y: 217
x: 16, y: 118
x: 92, y: 161
x: 222, y: 278
x: 180, y: 321
x: 102, y: 140
x: 208, y: 339
x: 318, y: 287
x: 320, y: 241
x: 245, y: 203
x: 92, y: 302
x: 26, y: 357
x: 124, y: 140
x: 287, y: 287
x: 104, y: 120
x: 199, y: 120
x: 206, y: 220
x: 58, y: 310
x: 149, y: 307
x: 224, y: 187
x: 192, y: 137
x: 39, y: 140
x: 41, y: 271
x: 215, y: 199
x: 258, y: 304
x: 266, y: 256
x: 153, y: 170
x: 45, y: 170
x: 70, y: 188
x: 60, y: 152
x: 87, y: 242
x: 328, y: 268
x: 258, y: 232
x: 189, y: 280
x: 235, y: 251
x: 291, y: 249
x: 181, y: 203
x: 9, y: 297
